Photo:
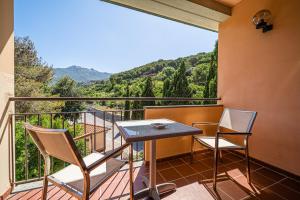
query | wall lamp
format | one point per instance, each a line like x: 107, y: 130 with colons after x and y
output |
x: 262, y: 20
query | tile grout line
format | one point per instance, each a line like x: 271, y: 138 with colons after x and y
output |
x: 177, y: 172
x: 271, y: 169
x: 226, y: 165
x: 255, y: 170
x: 226, y: 194
x: 274, y: 184
x: 205, y: 177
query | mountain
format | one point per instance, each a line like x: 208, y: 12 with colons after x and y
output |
x: 80, y: 74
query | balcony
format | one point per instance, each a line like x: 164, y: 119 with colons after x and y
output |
x: 192, y: 180
x: 257, y: 71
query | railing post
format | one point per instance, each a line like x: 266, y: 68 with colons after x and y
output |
x: 26, y: 151
x: 51, y: 158
x: 121, y: 135
x: 10, y: 163
x: 63, y: 120
x: 12, y: 150
x: 74, y: 125
x: 104, y: 116
x: 84, y: 127
x: 113, y: 130
x: 94, y: 144
x: 39, y: 153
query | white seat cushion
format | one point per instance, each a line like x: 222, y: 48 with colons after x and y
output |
x: 209, y: 141
x: 71, y: 176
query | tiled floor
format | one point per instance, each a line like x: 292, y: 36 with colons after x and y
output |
x: 194, y: 181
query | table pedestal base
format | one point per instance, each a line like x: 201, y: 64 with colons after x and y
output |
x: 154, y: 192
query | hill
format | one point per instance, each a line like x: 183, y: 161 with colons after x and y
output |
x: 80, y: 74
x: 197, y: 72
x: 154, y: 68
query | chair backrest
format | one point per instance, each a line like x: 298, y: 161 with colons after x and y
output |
x: 55, y: 142
x: 237, y: 120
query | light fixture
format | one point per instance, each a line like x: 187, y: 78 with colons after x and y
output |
x: 262, y: 19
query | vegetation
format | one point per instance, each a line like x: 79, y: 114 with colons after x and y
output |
x: 32, y: 79
x: 32, y: 151
x: 66, y: 87
x: 32, y: 76
x: 192, y: 76
x: 148, y: 92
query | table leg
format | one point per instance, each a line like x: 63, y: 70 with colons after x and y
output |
x: 153, y: 190
x: 152, y: 175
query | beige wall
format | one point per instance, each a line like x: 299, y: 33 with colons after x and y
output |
x: 261, y: 71
x: 6, y: 81
x: 186, y: 115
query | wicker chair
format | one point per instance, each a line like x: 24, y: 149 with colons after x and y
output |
x: 233, y: 122
x: 84, y: 175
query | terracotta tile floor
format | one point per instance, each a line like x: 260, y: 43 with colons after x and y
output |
x: 194, y: 181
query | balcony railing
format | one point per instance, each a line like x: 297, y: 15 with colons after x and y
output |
x: 25, y: 162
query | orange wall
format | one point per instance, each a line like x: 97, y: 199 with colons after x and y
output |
x: 186, y: 115
x: 261, y: 71
x: 6, y: 83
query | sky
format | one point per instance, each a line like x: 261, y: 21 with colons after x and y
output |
x: 103, y: 36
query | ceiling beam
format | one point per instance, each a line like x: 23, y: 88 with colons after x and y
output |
x: 200, y: 13
x: 214, y: 5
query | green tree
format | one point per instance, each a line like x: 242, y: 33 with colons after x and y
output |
x: 210, y: 90
x: 32, y: 76
x: 148, y: 91
x: 165, y: 73
x: 137, y: 105
x: 167, y: 90
x: 66, y: 87
x: 199, y: 74
x: 180, y: 83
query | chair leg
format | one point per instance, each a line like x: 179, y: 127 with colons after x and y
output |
x: 247, y: 164
x: 45, y: 188
x: 86, y: 185
x: 221, y: 155
x: 131, y: 185
x: 192, y: 150
x: 216, y: 156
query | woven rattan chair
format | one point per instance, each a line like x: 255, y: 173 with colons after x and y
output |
x: 84, y: 175
x: 233, y: 122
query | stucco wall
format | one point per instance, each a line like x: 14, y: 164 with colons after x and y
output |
x: 261, y: 71
x: 6, y: 81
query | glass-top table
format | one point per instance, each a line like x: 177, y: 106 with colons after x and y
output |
x: 143, y: 130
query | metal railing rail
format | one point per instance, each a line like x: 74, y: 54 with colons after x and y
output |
x: 111, y: 99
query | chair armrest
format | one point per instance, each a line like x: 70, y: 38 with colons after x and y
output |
x: 89, y: 134
x: 106, y: 157
x: 233, y: 133
x: 85, y: 135
x: 205, y: 123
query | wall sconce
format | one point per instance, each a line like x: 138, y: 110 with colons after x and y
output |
x: 262, y: 19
